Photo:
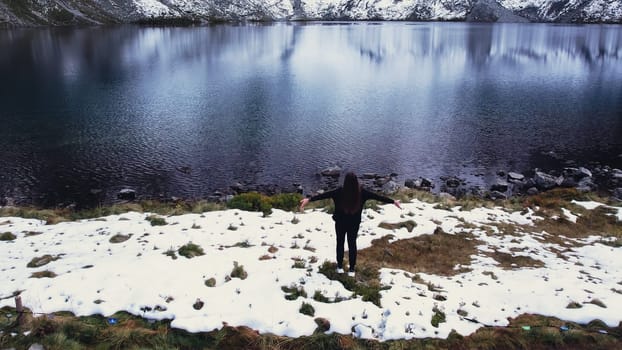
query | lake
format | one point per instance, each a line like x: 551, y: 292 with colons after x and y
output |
x: 185, y: 111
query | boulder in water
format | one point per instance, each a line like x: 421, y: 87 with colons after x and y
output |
x: 499, y: 186
x: 545, y: 181
x: 333, y: 171
x: 515, y: 177
x: 127, y: 194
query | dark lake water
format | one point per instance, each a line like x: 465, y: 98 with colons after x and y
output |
x: 105, y: 108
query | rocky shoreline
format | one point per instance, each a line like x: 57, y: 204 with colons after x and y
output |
x: 601, y: 179
x: 604, y: 180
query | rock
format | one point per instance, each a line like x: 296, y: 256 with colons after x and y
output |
x: 527, y: 184
x: 584, y: 172
x: 577, y: 173
x: 425, y: 182
x: 323, y: 325
x: 447, y: 196
x: 617, y: 193
x: 499, y: 186
x: 95, y: 191
x: 586, y: 185
x: 3, y: 202
x: 299, y: 189
x: 393, y: 175
x: 237, y: 187
x: 515, y: 177
x: 420, y: 184
x: 453, y: 182
x: 501, y: 173
x: 545, y: 181
x: 412, y: 183
x: 478, y: 192
x: 198, y: 304
x: 36, y: 346
x: 381, y: 181
x: 569, y: 182
x: 497, y: 195
x: 532, y: 191
x: 184, y: 169
x: 370, y: 176
x: 333, y: 171
x: 390, y: 187
x: 127, y: 194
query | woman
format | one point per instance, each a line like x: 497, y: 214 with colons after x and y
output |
x: 349, y: 200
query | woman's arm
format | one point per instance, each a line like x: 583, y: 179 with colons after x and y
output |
x: 371, y: 195
x: 325, y: 195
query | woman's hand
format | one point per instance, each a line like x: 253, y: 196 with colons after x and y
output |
x: 397, y: 203
x: 303, y: 202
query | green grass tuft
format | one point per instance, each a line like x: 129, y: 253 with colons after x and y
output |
x: 307, y: 309
x: 286, y: 201
x: 366, y: 284
x: 251, y: 201
x: 172, y: 253
x: 293, y: 292
x: 438, y: 317
x: 156, y: 220
x: 7, y: 236
x: 238, y: 271
x: 318, y: 296
x: 190, y: 250
x: 574, y: 305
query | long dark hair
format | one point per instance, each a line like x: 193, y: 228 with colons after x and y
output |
x: 351, y: 194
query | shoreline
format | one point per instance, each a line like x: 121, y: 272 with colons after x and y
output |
x: 603, y: 180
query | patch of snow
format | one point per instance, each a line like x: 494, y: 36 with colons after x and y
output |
x: 95, y: 276
x: 569, y: 215
x: 151, y: 8
x: 589, y: 205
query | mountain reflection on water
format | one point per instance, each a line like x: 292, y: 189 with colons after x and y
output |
x: 103, y: 108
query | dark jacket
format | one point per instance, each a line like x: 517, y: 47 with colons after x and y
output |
x: 339, y: 213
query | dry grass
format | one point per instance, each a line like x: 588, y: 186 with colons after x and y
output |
x: 43, y: 274
x: 436, y: 253
x: 42, y: 260
x: 65, y: 331
x: 596, y: 222
x: 509, y: 261
x: 409, y: 225
x: 56, y: 215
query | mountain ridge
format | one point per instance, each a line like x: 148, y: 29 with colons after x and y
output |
x: 95, y: 12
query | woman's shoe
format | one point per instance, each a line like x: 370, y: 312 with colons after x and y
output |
x: 351, y: 273
x: 340, y: 270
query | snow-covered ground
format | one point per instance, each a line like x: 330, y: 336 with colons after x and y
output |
x: 95, y: 276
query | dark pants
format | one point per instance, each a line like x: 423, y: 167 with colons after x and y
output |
x: 350, y: 229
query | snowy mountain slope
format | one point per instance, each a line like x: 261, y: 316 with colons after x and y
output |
x: 64, y: 12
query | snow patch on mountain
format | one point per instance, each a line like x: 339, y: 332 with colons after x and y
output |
x: 603, y: 10
x: 152, y: 8
x: 57, y: 12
